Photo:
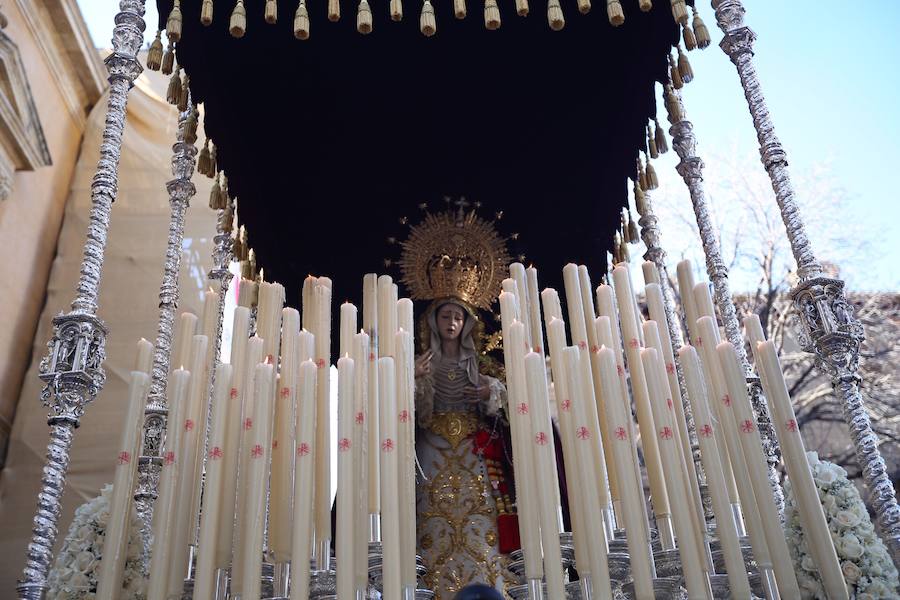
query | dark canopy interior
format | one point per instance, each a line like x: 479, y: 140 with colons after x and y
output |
x: 328, y: 142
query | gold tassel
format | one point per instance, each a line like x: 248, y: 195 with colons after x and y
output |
x: 173, y: 24
x: 641, y: 176
x: 662, y: 146
x: 271, y: 12
x: 203, y: 159
x: 623, y: 251
x: 652, y: 179
x: 459, y: 9
x: 214, y: 194
x: 674, y: 74
x: 155, y: 54
x: 301, y: 22
x: 190, y: 128
x: 701, y: 33
x: 491, y: 15
x: 614, y: 12
x: 640, y: 202
x: 584, y: 6
x: 673, y: 106
x: 684, y: 67
x: 396, y: 10
x: 238, y: 25
x: 211, y: 171
x: 223, y: 191
x: 427, y: 24
x: 645, y: 5
x: 633, y: 230
x: 206, y: 13
x: 615, y: 249
x: 364, y: 17
x: 522, y: 8
x: 679, y: 12
x: 173, y: 92
x: 183, y: 97
x: 651, y: 144
x: 168, y: 61
x: 690, y: 42
x: 555, y: 15
x: 623, y: 225
x: 334, y: 10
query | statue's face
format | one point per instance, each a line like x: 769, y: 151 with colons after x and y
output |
x: 450, y: 321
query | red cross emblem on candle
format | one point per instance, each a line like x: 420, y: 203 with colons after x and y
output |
x: 669, y: 403
x: 344, y: 444
x: 633, y: 343
x: 540, y: 438
x: 320, y: 363
x: 699, y: 341
x: 583, y: 433
x: 726, y: 400
x: 215, y: 453
x: 303, y: 449
x: 670, y: 368
x: 404, y: 416
x: 595, y: 349
x: 169, y: 458
x: 285, y: 392
x: 522, y: 409
x: 270, y: 360
x: 538, y: 349
x: 248, y: 423
x: 371, y: 357
x: 274, y: 444
x: 256, y: 451
x: 234, y: 393
x: 387, y: 445
x: 124, y: 458
x: 665, y: 433
x: 620, y: 370
x: 566, y: 404
x: 360, y: 418
x: 189, y: 425
x: 747, y: 426
x: 621, y: 434
x: 706, y: 430
x: 583, y: 345
x: 792, y: 425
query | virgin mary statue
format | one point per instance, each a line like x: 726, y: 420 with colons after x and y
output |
x: 464, y: 514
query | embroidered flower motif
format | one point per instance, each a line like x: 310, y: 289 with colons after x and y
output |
x: 665, y: 433
x: 303, y: 449
x: 124, y: 458
x: 387, y: 445
x: 583, y: 433
x: 215, y: 453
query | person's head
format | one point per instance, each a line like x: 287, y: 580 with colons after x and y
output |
x: 450, y: 319
x: 478, y: 591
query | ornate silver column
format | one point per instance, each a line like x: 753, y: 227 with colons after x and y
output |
x: 72, y: 370
x: 691, y: 170
x: 181, y: 190
x: 828, y: 326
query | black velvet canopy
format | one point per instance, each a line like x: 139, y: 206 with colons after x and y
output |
x: 328, y: 142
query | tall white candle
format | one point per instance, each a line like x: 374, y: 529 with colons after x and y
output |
x: 257, y: 470
x: 184, y: 333
x: 282, y: 476
x: 587, y: 470
x: 526, y: 487
x: 308, y: 312
x: 360, y: 358
x: 304, y: 479
x: 348, y: 328
x: 390, y: 484
x: 405, y: 381
x: 115, y: 544
x: 209, y: 318
x: 651, y: 273
x: 188, y: 477
x: 205, y: 576
x: 587, y: 306
x: 534, y: 310
x: 634, y: 509
x: 686, y: 291
x: 517, y: 274
x: 346, y: 484
x: 387, y: 316
x: 239, y: 339
x: 545, y: 469
x: 680, y: 500
x: 247, y: 293
x: 322, y: 332
x: 715, y: 480
x: 165, y: 513
x: 405, y: 318
x: 268, y: 319
x: 143, y: 361
x: 370, y: 324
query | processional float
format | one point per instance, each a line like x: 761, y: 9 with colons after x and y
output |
x: 709, y: 426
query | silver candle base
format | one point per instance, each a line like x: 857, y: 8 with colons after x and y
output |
x: 664, y: 588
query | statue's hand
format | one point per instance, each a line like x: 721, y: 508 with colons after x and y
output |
x: 477, y: 393
x: 423, y: 364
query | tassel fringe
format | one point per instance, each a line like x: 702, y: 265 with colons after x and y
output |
x: 652, y: 179
x: 238, y: 24
x: 214, y: 193
x: 641, y: 175
x: 155, y: 54
x: 675, y: 74
x: 334, y: 10
x: 673, y: 106
x: 427, y: 23
x: 687, y: 34
x: 491, y: 15
x: 206, y: 13
x: 396, y: 10
x: 203, y: 159
x: 459, y: 9
x: 662, y: 146
x: 584, y: 6
x: 211, y: 171
x: 679, y: 12
x: 614, y: 12
x: 701, y: 33
x: 645, y: 5
x: 174, y: 22
x: 640, y: 201
x: 633, y: 230
x: 168, y: 61
x: 183, y: 97
x: 271, y: 12
x: 364, y: 17
x: 522, y: 8
x: 173, y: 92
x: 651, y: 144
x: 190, y: 127
x: 301, y: 22
x: 555, y: 16
x: 684, y: 67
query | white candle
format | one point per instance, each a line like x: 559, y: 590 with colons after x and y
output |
x: 634, y: 510
x: 268, y: 319
x: 812, y: 517
x: 143, y: 361
x: 552, y: 306
x: 360, y: 357
x: 715, y: 480
x: 755, y: 459
x: 390, y: 484
x: 247, y: 293
x: 259, y: 455
x: 545, y: 469
x: 587, y: 306
x: 205, y: 576
x: 164, y: 515
x: 405, y: 319
x: 517, y: 274
x: 348, y: 327
x: 239, y: 339
x: 586, y: 466
x: 304, y: 479
x: 115, y: 544
x: 387, y: 316
x: 526, y: 487
x: 405, y: 380
x: 308, y: 312
x: 373, y: 439
x: 184, y: 333
x: 322, y: 333
x: 534, y: 310
x: 346, y: 484
x: 651, y: 273
x: 680, y: 500
x: 282, y: 476
x: 191, y: 432
x: 209, y: 318
x: 686, y: 291
x: 573, y: 304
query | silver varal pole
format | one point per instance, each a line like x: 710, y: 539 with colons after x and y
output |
x: 828, y: 326
x: 72, y: 370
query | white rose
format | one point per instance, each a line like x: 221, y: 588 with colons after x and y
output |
x: 830, y: 503
x: 808, y: 564
x: 851, y: 571
x: 878, y: 589
x: 851, y: 549
x: 84, y: 561
x: 79, y: 581
x: 846, y: 518
x: 825, y: 476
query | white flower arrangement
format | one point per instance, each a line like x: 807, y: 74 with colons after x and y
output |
x: 75, y: 573
x: 867, y: 567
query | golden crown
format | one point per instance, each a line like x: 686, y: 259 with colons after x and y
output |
x: 454, y: 254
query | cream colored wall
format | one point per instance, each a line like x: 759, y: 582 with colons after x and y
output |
x: 30, y: 218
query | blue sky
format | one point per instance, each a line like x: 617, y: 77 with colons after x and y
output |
x: 828, y: 70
